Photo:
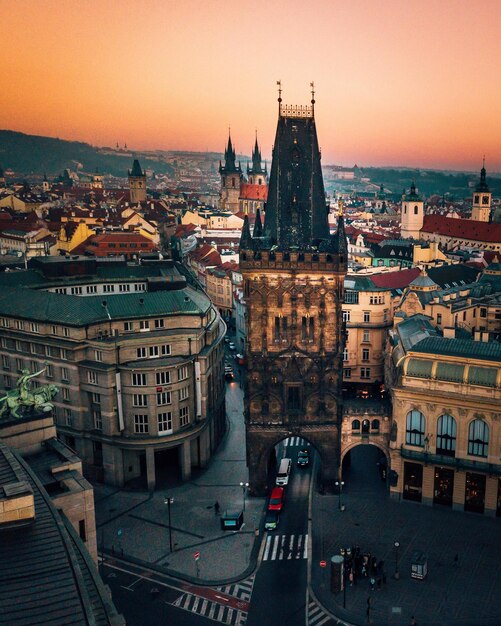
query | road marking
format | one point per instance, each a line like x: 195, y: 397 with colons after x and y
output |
x: 282, y: 548
x: 286, y: 547
x: 291, y: 543
x: 275, y: 548
x: 305, y: 551
x: 300, y: 541
x: 267, y: 548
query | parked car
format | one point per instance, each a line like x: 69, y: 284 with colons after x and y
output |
x: 226, y: 340
x: 231, y: 345
x: 271, y: 520
x: 303, y: 458
x: 228, y: 372
x: 276, y: 499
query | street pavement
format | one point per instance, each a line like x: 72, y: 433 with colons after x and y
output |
x: 264, y: 580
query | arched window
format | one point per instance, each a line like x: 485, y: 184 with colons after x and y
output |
x: 365, y: 426
x: 375, y: 425
x: 446, y: 435
x: 355, y: 425
x: 415, y: 210
x: 478, y: 438
x: 414, y: 434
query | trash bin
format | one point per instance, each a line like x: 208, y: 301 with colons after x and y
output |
x: 337, y: 573
x: 419, y: 565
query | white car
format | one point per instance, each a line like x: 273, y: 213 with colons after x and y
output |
x: 231, y: 345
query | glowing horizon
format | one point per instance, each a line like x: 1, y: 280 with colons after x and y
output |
x: 411, y: 84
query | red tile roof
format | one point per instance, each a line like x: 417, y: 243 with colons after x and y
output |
x: 462, y: 229
x: 396, y: 280
x: 253, y: 192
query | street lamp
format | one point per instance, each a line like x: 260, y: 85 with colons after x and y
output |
x: 244, y: 487
x: 396, y: 575
x: 168, y: 501
x: 340, y: 484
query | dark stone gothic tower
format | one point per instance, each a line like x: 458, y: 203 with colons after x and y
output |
x: 293, y: 272
x: 137, y: 183
x: 231, y: 177
x: 256, y: 173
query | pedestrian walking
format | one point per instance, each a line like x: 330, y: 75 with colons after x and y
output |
x: 216, y: 508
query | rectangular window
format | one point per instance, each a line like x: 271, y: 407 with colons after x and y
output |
x: 139, y: 399
x: 276, y: 334
x: 184, y: 416
x: 76, y: 291
x: 347, y: 372
x: 165, y: 349
x: 65, y: 393
x: 182, y: 372
x: 385, y: 315
x: 351, y: 297
x: 159, y: 323
x: 49, y: 370
x: 141, y: 423
x: 139, y: 380
x: 346, y: 316
x: 98, y: 355
x: 65, y: 374
x: 97, y: 418
x: 6, y: 382
x: 4, y: 322
x: 163, y: 397
x: 91, y: 289
x: 144, y: 325
x: 483, y: 312
x: 293, y: 398
x: 54, y: 330
x: 365, y: 372
x: 164, y: 423
x: 367, y: 316
x: 64, y: 354
x: 439, y: 318
x: 19, y: 325
x: 96, y: 398
x: 128, y: 326
x: 365, y: 354
x: 68, y: 417
x: 367, y: 336
x: 81, y: 530
x: 124, y: 288
x: 5, y: 362
x: 163, y: 378
x: 184, y: 392
x: 92, y: 377
x: 154, y: 351
x: 35, y: 328
x: 345, y: 355
x: 108, y: 288
x: 19, y: 364
x: 141, y: 353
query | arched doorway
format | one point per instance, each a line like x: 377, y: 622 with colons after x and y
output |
x: 364, y: 469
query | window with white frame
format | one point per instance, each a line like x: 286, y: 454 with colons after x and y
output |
x: 76, y: 291
x: 97, y: 418
x: 96, y: 398
x: 365, y: 372
x: 34, y: 327
x: 182, y: 372
x: 346, y: 316
x: 92, y: 377
x: 108, y: 288
x: 6, y: 382
x: 367, y: 336
x: 347, y: 372
x: 68, y: 417
x: 159, y: 323
x: 163, y: 397
x: 5, y: 362
x: 54, y: 330
x: 141, y: 423
x: 345, y: 354
x: 64, y: 354
x: 66, y: 332
x: 367, y: 316
x: 139, y: 399
x: 139, y: 380
x: 184, y: 416
x: 4, y: 322
x: 19, y: 364
x: 165, y: 349
x: 184, y: 392
x: 91, y: 288
x: 128, y: 326
x: 365, y: 354
x: 65, y: 374
x: 19, y: 325
x: 164, y: 423
x: 49, y: 370
x: 141, y: 353
x: 163, y: 378
x: 154, y: 351
x: 144, y: 325
x: 98, y: 355
x: 124, y: 287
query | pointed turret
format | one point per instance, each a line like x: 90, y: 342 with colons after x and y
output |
x: 482, y: 199
x: 258, y: 226
x: 246, y: 237
x: 257, y: 174
x: 482, y: 183
x: 136, y: 169
x: 230, y: 166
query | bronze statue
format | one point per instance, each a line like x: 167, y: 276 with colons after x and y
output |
x: 27, y: 400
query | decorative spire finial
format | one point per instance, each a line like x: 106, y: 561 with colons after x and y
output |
x: 279, y: 83
x: 340, y: 205
x: 312, y: 85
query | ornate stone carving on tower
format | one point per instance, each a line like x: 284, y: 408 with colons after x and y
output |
x: 293, y: 272
x: 231, y: 177
x: 482, y: 197
x: 137, y: 183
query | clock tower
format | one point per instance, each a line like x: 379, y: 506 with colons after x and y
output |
x: 482, y: 197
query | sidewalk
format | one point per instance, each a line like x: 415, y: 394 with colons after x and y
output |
x: 136, y: 524
x: 464, y: 595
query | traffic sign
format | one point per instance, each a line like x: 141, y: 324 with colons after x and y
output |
x: 196, y: 555
x: 323, y: 563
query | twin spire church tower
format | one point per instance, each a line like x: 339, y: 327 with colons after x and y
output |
x: 293, y: 271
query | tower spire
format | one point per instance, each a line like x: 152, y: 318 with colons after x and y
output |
x: 279, y: 83
x: 312, y: 85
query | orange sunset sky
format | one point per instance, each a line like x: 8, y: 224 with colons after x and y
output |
x: 410, y: 82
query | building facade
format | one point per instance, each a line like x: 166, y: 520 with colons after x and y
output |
x: 138, y: 357
x: 293, y: 272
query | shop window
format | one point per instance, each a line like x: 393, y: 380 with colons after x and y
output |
x: 415, y: 426
x: 474, y: 496
x: 443, y: 487
x: 413, y: 482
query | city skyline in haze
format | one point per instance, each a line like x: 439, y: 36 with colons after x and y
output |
x: 397, y: 83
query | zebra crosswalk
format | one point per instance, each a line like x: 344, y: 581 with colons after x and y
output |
x: 316, y: 615
x: 241, y: 590
x: 211, y: 610
x: 296, y: 441
x: 285, y: 547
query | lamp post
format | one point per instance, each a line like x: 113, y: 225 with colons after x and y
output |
x: 168, y: 501
x: 396, y: 575
x: 244, y: 487
x: 339, y: 484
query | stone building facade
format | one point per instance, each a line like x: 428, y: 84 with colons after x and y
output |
x: 293, y: 272
x: 136, y: 352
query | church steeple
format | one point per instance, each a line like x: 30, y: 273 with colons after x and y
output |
x: 230, y: 166
x: 482, y: 198
x: 258, y: 226
x: 231, y: 177
x: 257, y: 174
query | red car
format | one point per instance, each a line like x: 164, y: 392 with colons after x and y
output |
x: 276, y: 499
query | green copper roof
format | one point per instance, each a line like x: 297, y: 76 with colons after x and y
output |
x: 463, y: 348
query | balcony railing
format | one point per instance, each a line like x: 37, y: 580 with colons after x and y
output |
x: 447, y: 461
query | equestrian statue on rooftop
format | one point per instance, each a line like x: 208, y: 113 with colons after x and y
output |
x: 23, y: 400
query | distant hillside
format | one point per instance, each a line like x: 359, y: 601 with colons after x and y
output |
x: 31, y: 154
